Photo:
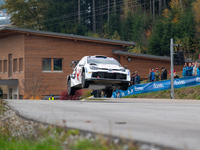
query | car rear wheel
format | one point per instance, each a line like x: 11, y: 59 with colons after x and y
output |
x: 85, y: 84
x: 108, y: 93
x: 71, y: 90
x: 124, y: 86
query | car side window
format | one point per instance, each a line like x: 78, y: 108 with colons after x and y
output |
x: 82, y: 62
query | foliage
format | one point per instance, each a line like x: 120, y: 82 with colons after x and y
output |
x: 33, y: 87
x: 31, y: 97
x: 136, y: 49
x: 196, y: 6
x: 25, y: 14
x: 65, y: 96
x: 177, y: 23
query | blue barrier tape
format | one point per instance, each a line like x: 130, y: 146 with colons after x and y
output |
x: 157, y: 86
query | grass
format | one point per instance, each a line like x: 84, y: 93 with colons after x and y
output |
x: 54, y: 138
x: 182, y: 93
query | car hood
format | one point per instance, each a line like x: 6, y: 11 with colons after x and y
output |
x: 108, y: 66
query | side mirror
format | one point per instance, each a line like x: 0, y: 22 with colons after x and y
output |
x: 125, y: 67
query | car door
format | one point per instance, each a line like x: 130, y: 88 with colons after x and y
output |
x: 78, y: 71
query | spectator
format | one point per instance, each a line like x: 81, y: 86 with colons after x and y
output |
x: 189, y: 70
x: 184, y: 70
x: 194, y: 72
x: 152, y: 75
x: 164, y: 74
x: 132, y: 79
x: 157, y: 75
x: 96, y: 93
x: 137, y: 78
x: 193, y: 64
x: 198, y: 69
x: 175, y: 75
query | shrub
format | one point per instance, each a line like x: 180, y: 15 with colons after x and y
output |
x: 65, y: 96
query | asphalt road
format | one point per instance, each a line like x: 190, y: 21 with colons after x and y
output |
x: 173, y: 123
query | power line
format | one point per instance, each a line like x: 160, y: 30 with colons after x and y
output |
x: 83, y: 17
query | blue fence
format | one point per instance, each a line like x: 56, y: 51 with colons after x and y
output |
x: 157, y: 86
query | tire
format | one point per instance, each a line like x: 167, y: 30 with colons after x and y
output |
x: 85, y: 84
x: 108, y: 93
x: 71, y: 90
x: 124, y: 86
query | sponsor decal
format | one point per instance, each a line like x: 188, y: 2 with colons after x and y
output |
x: 197, y: 79
x: 178, y: 82
x: 157, y: 86
x: 123, y: 94
x: 139, y: 88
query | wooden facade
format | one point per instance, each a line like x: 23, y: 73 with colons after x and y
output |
x: 28, y: 49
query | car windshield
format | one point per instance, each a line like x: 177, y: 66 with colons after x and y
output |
x: 102, y: 61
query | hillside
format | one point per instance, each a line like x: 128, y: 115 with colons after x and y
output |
x: 182, y: 93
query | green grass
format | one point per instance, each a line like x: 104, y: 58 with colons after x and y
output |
x: 182, y: 93
x: 8, y: 143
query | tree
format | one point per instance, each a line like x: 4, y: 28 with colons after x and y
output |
x: 175, y: 23
x: 94, y: 17
x: 26, y: 14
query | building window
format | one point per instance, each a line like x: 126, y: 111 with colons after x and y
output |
x: 57, y: 64
x: 0, y: 66
x: 21, y: 65
x: 46, y: 64
x: 5, y: 66
x: 14, y: 65
x: 52, y: 64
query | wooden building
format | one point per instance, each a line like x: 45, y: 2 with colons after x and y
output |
x: 38, y: 62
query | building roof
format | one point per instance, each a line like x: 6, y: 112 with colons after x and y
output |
x: 13, y: 30
x: 147, y: 56
x: 9, y: 82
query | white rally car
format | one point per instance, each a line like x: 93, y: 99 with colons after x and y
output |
x: 98, y: 73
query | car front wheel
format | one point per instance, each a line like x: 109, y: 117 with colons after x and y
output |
x: 71, y: 90
x: 85, y: 84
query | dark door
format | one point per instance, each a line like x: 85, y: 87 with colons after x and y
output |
x: 10, y: 65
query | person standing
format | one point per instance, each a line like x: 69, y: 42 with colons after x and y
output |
x: 194, y: 72
x: 189, y: 70
x: 152, y: 75
x: 137, y: 78
x: 51, y: 97
x: 184, y: 70
x: 157, y: 75
x: 164, y: 74
x: 132, y: 79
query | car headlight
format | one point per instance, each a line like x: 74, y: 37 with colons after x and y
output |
x: 94, y: 68
x: 122, y: 69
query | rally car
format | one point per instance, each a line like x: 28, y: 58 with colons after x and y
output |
x: 98, y: 73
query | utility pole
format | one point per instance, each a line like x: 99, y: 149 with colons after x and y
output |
x: 172, y: 68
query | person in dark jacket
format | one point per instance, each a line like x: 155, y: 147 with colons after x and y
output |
x: 184, y: 70
x: 137, y: 78
x: 189, y: 70
x: 132, y: 79
x: 164, y: 74
x: 96, y: 93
